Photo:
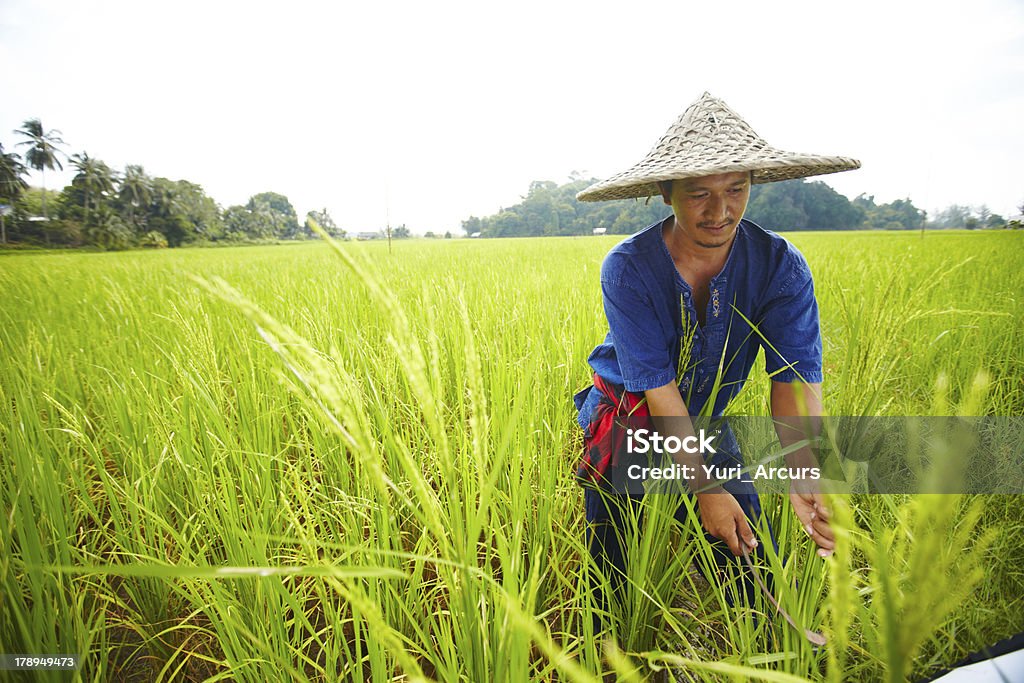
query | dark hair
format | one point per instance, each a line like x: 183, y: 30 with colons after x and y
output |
x: 665, y: 186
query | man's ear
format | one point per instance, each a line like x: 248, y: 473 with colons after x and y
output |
x: 665, y: 187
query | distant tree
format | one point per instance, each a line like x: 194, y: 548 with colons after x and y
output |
x: 472, y: 225
x: 448, y: 235
x: 110, y: 232
x: 201, y: 213
x: 175, y: 227
x: 401, y: 232
x: 537, y: 211
x: 900, y: 214
x: 31, y: 200
x: 620, y: 218
x: 164, y: 199
x: 507, y: 223
x: 65, y: 231
x: 30, y: 204
x: 167, y: 212
x: 272, y: 223
x: 777, y: 207
x: 135, y: 193
x: 801, y: 205
x: 12, y: 171
x: 12, y: 184
x: 550, y: 209
x: 153, y: 240
x: 622, y: 225
x: 278, y: 210
x: 241, y: 224
x: 995, y: 221
x: 236, y: 222
x: 324, y: 220
x: 95, y: 180
x: 430, y: 234
x: 43, y: 150
x: 903, y: 212
x: 971, y: 223
x: 953, y: 216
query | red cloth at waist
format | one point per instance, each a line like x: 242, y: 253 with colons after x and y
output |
x: 603, y: 439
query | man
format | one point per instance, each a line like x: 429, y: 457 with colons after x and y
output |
x: 690, y: 301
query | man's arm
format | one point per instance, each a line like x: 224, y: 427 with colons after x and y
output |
x: 720, y: 513
x: 796, y: 409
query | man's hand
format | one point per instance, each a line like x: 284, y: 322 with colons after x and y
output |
x: 722, y: 517
x: 810, y: 509
x: 720, y: 513
x: 795, y: 408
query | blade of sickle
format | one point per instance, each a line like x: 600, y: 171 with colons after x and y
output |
x: 813, y: 637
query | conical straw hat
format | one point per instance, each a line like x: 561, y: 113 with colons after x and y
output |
x: 711, y: 138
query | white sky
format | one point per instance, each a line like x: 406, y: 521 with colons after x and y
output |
x: 429, y: 112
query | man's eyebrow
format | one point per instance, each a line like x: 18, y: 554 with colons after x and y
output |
x: 694, y: 187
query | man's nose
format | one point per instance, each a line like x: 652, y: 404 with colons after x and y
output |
x: 718, y: 209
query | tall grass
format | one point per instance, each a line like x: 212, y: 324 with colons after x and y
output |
x: 310, y: 464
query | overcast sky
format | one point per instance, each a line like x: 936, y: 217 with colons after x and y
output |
x: 425, y: 113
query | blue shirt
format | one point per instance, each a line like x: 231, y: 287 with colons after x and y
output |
x: 650, y: 308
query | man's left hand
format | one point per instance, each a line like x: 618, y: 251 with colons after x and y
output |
x: 810, y: 509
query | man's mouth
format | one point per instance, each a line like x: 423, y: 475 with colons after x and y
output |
x: 717, y: 228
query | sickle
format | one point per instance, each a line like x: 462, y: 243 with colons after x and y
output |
x: 813, y: 637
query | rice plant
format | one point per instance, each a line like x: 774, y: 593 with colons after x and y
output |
x: 325, y: 462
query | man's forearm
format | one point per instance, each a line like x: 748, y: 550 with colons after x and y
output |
x: 720, y: 515
x: 796, y: 409
x: 672, y: 418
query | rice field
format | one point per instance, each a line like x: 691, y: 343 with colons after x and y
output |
x: 306, y: 463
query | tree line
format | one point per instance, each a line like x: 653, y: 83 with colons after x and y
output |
x: 552, y: 209
x: 111, y: 209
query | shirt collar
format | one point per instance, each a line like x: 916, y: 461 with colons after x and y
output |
x: 723, y: 275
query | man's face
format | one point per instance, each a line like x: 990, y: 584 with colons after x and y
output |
x: 709, y: 208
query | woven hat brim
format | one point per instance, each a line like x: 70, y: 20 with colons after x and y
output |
x: 769, y: 165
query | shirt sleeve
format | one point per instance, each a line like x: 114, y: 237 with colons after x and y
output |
x: 790, y: 327
x: 644, y: 360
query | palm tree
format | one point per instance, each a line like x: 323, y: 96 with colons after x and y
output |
x: 11, y: 184
x: 136, y: 190
x: 94, y: 178
x: 11, y: 171
x: 166, y: 198
x: 42, y: 150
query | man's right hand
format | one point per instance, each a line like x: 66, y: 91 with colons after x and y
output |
x: 722, y: 517
x: 720, y: 513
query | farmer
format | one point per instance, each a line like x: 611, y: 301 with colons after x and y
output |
x: 707, y: 282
